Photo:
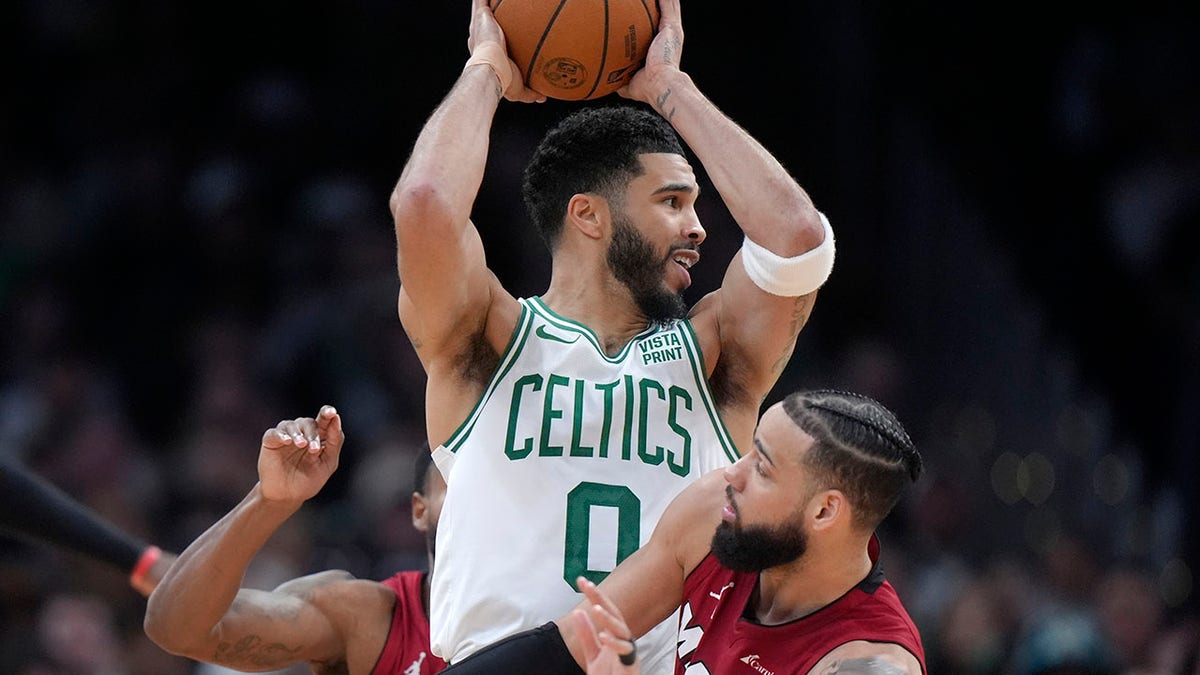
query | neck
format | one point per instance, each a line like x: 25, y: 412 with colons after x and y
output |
x: 606, y: 307
x: 799, y: 588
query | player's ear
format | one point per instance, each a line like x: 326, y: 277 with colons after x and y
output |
x: 588, y: 213
x: 420, y: 512
x: 829, y: 507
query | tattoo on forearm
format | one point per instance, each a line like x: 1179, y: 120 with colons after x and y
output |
x: 661, y: 104
x: 251, y: 651
x: 869, y: 666
x: 670, y: 49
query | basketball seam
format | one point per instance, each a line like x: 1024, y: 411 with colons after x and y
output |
x: 603, y: 53
x: 649, y: 15
x: 542, y: 40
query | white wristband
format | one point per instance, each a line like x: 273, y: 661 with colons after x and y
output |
x: 790, y: 277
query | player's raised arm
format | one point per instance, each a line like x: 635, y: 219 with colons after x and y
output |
x: 199, y: 609
x: 768, y: 291
x: 446, y: 288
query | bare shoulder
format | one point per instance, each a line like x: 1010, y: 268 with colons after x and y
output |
x: 868, y: 658
x: 437, y: 333
x: 460, y: 360
x: 703, y: 318
x: 357, y: 595
x: 361, y: 611
x: 504, y: 313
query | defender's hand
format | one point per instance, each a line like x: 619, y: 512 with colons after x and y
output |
x: 602, y: 630
x: 298, y: 456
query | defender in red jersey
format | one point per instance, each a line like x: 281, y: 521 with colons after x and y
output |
x: 332, y: 621
x: 789, y: 583
x: 716, y: 638
x: 407, y: 649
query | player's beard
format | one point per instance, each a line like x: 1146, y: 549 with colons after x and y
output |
x: 754, y: 549
x: 634, y: 263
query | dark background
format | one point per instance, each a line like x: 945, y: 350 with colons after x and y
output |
x: 195, y: 243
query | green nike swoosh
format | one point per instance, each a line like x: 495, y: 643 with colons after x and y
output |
x: 545, y: 335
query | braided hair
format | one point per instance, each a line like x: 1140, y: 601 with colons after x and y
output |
x: 860, y: 449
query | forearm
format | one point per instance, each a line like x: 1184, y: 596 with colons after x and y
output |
x: 199, y: 588
x: 765, y: 200
x: 450, y: 154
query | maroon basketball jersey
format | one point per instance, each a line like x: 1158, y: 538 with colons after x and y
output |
x: 714, y: 638
x: 407, y: 649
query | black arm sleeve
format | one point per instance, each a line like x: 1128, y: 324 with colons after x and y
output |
x: 32, y: 507
x: 538, y: 650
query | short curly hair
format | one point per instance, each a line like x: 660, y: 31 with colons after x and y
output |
x: 593, y: 150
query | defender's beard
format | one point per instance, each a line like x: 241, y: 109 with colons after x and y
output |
x: 754, y: 549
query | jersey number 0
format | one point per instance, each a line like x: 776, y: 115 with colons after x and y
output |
x: 580, y: 502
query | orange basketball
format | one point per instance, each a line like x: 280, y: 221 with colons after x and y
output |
x: 577, y: 49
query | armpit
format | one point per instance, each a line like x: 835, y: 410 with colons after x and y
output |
x: 479, y: 360
x: 730, y: 386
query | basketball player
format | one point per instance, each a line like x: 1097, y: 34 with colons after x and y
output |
x: 564, y: 424
x: 789, y: 584
x: 36, y: 510
x: 336, y: 623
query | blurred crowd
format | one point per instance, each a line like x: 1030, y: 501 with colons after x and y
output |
x: 195, y: 244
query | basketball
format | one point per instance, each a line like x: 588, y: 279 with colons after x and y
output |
x: 577, y: 49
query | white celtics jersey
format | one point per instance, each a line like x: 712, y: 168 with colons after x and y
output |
x: 563, y: 469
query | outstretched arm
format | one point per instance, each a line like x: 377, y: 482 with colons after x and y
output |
x: 199, y: 609
x: 755, y: 327
x: 35, y: 509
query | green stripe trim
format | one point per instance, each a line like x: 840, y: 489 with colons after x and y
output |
x: 696, y: 357
x: 558, y: 321
x: 520, y: 335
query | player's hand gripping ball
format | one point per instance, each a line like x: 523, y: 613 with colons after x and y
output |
x: 577, y: 49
